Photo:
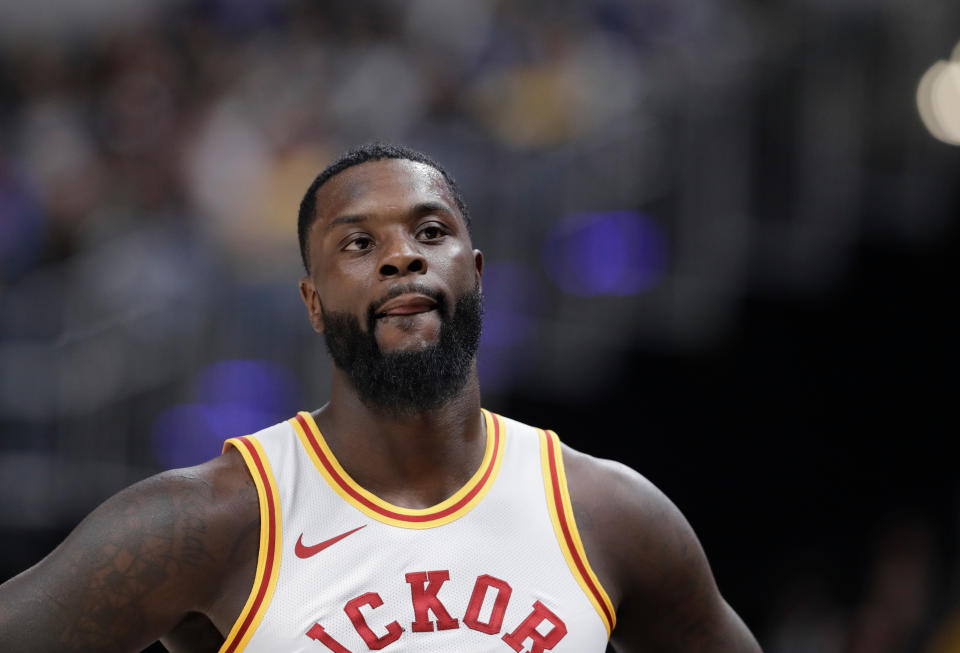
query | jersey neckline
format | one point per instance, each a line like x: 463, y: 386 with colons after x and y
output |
x: 448, y: 510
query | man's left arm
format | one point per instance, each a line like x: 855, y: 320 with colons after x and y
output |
x: 648, y: 557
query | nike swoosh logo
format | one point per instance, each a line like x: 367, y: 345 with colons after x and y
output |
x: 307, y: 551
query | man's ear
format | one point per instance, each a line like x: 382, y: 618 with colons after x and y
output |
x: 478, y: 261
x: 311, y: 299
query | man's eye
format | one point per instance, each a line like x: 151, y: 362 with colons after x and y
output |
x: 431, y: 232
x: 359, y: 244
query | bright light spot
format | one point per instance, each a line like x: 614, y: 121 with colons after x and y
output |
x: 614, y: 253
x: 232, y: 398
x: 938, y: 99
x: 512, y: 299
x: 263, y: 384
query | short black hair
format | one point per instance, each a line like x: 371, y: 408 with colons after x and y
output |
x: 362, y: 154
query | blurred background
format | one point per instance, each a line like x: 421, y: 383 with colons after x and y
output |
x: 721, y: 245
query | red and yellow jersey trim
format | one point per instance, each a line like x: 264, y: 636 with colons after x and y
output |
x: 373, y: 506
x: 565, y: 527
x: 268, y: 559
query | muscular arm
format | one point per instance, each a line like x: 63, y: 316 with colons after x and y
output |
x: 149, y: 559
x: 650, y: 560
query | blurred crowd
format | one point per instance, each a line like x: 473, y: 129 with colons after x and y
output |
x: 212, y: 116
x: 153, y: 156
x: 900, y: 600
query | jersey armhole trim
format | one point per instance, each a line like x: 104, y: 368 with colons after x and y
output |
x: 565, y: 528
x: 268, y: 558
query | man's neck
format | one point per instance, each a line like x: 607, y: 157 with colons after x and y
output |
x: 413, y: 460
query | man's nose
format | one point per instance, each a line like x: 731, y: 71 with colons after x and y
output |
x: 402, y: 258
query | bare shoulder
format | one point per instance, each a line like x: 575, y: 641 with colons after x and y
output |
x: 138, y: 564
x: 611, y: 486
x: 649, y: 559
x: 631, y: 524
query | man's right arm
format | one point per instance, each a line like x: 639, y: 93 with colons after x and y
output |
x: 138, y: 565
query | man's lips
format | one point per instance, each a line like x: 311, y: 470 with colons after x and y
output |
x: 407, y: 304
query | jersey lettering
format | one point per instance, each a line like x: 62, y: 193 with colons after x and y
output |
x: 542, y: 628
x: 528, y: 630
x: 472, y: 616
x: 318, y: 633
x: 374, y: 643
x: 425, y: 599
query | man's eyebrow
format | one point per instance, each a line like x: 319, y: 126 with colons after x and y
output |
x: 419, y: 209
x: 345, y: 219
x: 423, y: 208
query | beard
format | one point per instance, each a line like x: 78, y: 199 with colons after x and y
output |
x: 408, y: 382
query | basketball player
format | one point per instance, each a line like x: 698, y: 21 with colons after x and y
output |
x: 400, y: 516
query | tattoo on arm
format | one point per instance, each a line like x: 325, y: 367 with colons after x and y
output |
x: 130, y: 572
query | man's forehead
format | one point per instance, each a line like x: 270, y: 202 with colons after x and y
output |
x: 363, y: 188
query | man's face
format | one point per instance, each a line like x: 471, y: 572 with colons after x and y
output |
x: 393, y: 279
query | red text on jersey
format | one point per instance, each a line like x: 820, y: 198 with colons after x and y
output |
x: 541, y: 630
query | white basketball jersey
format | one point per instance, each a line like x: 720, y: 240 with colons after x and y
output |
x: 498, y: 566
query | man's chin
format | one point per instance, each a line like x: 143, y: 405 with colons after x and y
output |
x: 409, y: 363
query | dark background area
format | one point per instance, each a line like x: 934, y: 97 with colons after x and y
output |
x: 797, y: 445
